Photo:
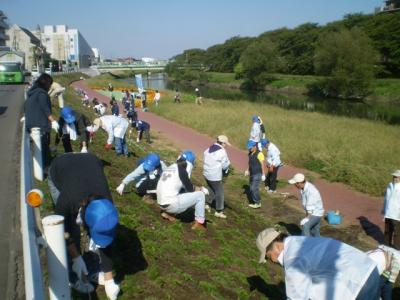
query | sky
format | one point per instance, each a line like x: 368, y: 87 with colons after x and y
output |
x: 164, y: 28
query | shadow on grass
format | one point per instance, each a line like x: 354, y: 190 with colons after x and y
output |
x: 371, y: 229
x: 128, y: 255
x: 292, y: 229
x: 246, y: 191
x: 271, y: 291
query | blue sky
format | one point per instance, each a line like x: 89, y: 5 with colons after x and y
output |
x: 163, y: 28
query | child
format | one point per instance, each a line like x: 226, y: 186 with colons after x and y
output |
x: 177, y: 97
x: 256, y: 171
x: 142, y: 127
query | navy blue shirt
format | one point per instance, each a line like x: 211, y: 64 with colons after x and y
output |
x: 37, y: 109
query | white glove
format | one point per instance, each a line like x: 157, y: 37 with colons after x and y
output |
x: 304, y: 221
x: 263, y: 178
x: 79, y: 266
x: 246, y: 173
x: 112, y: 289
x: 84, y: 149
x: 55, y: 126
x: 204, y: 190
x: 120, y: 189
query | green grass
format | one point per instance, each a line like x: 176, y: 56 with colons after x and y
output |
x: 155, y: 259
x: 216, y: 77
x: 357, y: 152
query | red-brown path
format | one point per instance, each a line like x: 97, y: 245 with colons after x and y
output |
x: 356, y: 207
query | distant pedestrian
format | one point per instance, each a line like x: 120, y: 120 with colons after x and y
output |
x: 177, y: 97
x: 110, y: 89
x: 320, y: 268
x: 142, y: 127
x: 114, y: 107
x: 312, y: 204
x: 256, y: 171
x: 157, y: 97
x: 116, y: 128
x: 255, y: 132
x: 216, y: 165
x: 144, y: 100
x: 199, y: 98
x: 73, y: 126
x: 391, y: 212
x: 38, y: 113
x: 262, y: 127
x: 273, y: 164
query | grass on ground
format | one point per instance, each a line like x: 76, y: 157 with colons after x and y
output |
x: 155, y: 259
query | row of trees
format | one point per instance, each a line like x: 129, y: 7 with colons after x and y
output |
x: 349, y: 53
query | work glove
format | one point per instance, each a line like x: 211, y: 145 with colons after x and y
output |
x: 112, y: 289
x: 120, y: 189
x: 84, y: 149
x: 204, y: 190
x: 79, y: 266
x: 55, y: 125
x: 83, y: 287
x: 246, y: 173
x: 107, y: 146
x: 263, y: 178
x: 304, y: 221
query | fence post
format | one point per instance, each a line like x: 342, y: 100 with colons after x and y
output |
x: 57, y: 264
x: 37, y: 154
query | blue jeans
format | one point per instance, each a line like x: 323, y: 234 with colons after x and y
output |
x: 255, y: 181
x: 185, y: 201
x: 370, y: 290
x: 311, y: 228
x: 386, y: 288
x: 121, y: 146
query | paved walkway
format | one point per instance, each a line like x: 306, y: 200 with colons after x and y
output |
x: 356, y: 207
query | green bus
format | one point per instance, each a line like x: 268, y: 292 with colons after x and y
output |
x: 11, y: 72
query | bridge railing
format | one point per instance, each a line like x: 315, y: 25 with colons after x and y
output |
x: 34, y: 288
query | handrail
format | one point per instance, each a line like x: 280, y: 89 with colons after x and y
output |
x: 34, y: 288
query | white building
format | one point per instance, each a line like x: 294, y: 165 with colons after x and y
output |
x: 66, y: 45
x: 97, y: 55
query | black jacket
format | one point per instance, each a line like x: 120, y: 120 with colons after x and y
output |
x: 37, y: 109
x: 81, y: 122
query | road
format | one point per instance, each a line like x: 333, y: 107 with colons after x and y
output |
x: 11, y: 268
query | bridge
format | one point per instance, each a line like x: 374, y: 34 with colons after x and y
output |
x: 137, y: 66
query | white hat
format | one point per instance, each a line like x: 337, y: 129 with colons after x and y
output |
x: 223, y: 139
x: 298, y: 178
x: 396, y: 173
x: 265, y: 238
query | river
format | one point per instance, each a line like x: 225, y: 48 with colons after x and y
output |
x: 383, y: 112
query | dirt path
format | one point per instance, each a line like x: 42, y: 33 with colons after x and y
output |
x: 356, y: 207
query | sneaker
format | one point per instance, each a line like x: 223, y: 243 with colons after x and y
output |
x: 168, y: 217
x: 271, y: 191
x: 208, y: 208
x: 267, y: 188
x: 199, y: 226
x: 255, y: 205
x: 220, y: 214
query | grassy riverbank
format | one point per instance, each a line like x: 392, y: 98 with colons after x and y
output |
x: 357, y: 152
x: 155, y: 259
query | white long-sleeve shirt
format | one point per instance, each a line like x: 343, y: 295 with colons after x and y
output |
x: 311, y: 200
x: 324, y: 269
x: 273, y: 155
x: 114, y: 126
x: 255, y: 133
x: 215, y: 161
x: 391, y: 207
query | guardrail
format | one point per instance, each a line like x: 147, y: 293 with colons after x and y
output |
x: 34, y: 288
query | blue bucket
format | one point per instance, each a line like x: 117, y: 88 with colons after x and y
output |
x: 333, y: 218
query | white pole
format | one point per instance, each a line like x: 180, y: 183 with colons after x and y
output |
x: 57, y: 264
x: 37, y: 154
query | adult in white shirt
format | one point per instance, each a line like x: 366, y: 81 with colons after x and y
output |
x: 216, y: 164
x: 157, y: 97
x: 391, y: 212
x: 312, y: 204
x: 255, y: 132
x: 273, y: 163
x: 170, y: 198
x: 116, y: 128
x: 320, y: 268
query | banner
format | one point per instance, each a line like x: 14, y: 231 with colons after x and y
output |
x: 139, y: 82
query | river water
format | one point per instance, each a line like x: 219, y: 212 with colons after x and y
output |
x: 383, y: 112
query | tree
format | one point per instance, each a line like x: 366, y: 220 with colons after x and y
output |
x: 258, y: 61
x: 347, y: 58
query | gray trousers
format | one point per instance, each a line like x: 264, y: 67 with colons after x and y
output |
x: 216, y: 189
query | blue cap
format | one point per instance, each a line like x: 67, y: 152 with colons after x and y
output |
x: 254, y: 118
x: 251, y: 144
x: 68, y: 114
x: 150, y: 162
x: 101, y: 217
x: 188, y: 156
x: 264, y: 142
